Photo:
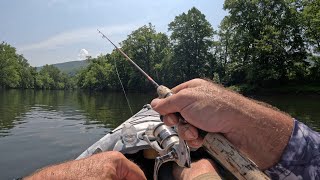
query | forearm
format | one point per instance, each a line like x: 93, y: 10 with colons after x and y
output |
x: 260, y: 132
x: 106, y: 165
x: 88, y: 168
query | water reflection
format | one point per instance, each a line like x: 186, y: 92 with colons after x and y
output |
x: 110, y: 109
x: 106, y: 109
x: 305, y: 108
x: 13, y: 103
x: 38, y: 128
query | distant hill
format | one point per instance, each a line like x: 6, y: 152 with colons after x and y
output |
x: 70, y: 67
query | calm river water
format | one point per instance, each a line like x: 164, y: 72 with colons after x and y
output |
x: 38, y: 128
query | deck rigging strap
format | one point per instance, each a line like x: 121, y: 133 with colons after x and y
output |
x: 124, y: 91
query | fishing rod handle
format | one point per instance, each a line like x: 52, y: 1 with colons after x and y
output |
x: 232, y: 159
x: 165, y: 92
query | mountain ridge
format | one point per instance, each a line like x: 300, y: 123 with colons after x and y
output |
x: 69, y: 67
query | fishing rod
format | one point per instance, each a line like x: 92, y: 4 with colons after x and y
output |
x: 214, y: 143
x: 175, y: 148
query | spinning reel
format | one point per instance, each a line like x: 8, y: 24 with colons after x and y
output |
x: 169, y: 145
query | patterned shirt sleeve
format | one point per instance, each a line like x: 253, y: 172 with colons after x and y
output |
x: 301, y: 157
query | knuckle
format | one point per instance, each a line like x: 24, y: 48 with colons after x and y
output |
x: 199, y: 81
x: 183, y: 94
x: 187, y: 131
x: 206, y: 162
x: 195, y: 143
x: 182, y: 127
x: 115, y: 154
x: 170, y: 120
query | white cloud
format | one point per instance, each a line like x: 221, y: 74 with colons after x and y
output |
x: 83, y: 54
x: 78, y: 36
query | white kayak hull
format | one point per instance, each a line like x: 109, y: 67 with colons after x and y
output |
x: 113, y: 142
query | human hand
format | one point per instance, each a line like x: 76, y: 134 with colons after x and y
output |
x: 110, y: 165
x: 257, y: 130
x: 202, y: 104
x: 202, y: 169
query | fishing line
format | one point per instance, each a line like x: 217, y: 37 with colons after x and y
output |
x: 156, y: 85
x: 124, y: 91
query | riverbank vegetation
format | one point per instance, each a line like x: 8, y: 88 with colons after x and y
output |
x: 259, y: 45
x: 15, y: 72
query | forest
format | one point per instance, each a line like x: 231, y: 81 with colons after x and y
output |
x: 260, y: 44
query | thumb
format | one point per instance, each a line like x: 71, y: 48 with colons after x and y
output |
x: 155, y: 102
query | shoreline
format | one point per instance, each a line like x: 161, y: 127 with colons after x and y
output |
x: 285, y: 89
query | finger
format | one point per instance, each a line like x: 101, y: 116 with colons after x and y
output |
x: 168, y: 105
x: 187, y: 132
x: 199, y: 168
x: 188, y: 84
x: 170, y: 119
x: 197, y: 143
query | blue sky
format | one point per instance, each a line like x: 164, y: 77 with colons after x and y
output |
x: 53, y: 31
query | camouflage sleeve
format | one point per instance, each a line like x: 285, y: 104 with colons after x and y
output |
x: 301, y: 157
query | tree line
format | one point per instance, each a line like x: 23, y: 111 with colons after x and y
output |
x: 259, y: 44
x: 16, y: 72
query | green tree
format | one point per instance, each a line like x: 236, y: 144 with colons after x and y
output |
x: 148, y: 49
x: 310, y: 18
x: 26, y: 73
x: 96, y: 75
x: 192, y: 38
x: 266, y: 41
x: 9, y: 76
x: 15, y: 71
x: 221, y: 51
x: 50, y: 77
x: 311, y: 22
